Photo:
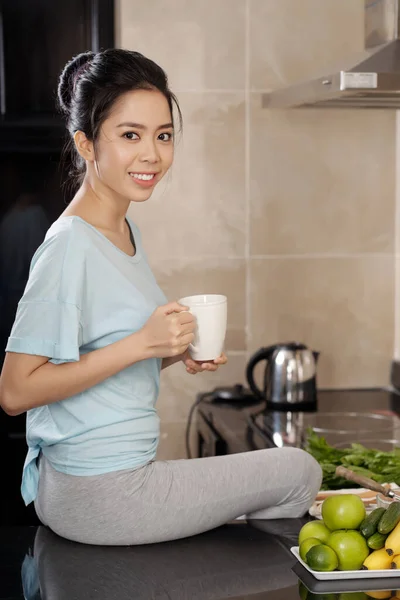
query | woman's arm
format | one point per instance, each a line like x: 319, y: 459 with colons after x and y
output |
x: 28, y: 381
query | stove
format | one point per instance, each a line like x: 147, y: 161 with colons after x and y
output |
x: 343, y: 416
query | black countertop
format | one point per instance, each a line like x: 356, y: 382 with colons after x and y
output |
x: 232, y: 421
x: 238, y: 561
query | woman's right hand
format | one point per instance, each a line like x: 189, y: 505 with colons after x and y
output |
x: 169, y: 330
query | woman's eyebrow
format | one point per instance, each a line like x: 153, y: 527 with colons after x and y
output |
x: 139, y: 126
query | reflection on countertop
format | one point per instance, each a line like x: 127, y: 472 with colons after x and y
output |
x: 235, y: 560
x: 342, y: 417
x: 240, y: 561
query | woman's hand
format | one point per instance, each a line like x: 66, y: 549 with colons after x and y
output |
x: 193, y: 367
x: 169, y: 331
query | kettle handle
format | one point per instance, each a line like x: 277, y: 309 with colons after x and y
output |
x: 261, y: 354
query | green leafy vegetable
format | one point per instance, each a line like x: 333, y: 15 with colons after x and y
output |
x: 383, y: 467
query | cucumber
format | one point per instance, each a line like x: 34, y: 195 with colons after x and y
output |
x: 390, y: 518
x: 377, y: 540
x: 370, y: 524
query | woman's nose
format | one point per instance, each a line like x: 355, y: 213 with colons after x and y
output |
x: 149, y: 152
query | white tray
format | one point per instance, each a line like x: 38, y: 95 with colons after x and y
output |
x: 332, y: 575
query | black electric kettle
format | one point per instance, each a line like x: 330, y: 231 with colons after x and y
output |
x: 290, y: 376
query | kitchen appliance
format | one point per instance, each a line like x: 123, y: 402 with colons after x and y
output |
x: 371, y: 80
x: 236, y: 394
x: 290, y: 377
x: 237, y: 397
x: 291, y: 428
x: 229, y: 427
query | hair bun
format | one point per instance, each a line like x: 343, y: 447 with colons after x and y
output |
x: 67, y: 81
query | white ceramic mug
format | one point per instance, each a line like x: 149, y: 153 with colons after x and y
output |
x: 210, y: 311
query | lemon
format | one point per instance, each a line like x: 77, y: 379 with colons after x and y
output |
x: 322, y: 558
x: 307, y: 545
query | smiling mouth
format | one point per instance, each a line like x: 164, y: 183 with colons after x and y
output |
x: 143, y: 176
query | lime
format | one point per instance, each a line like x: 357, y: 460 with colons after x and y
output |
x: 344, y: 511
x: 322, y: 558
x: 315, y: 529
x: 306, y: 545
x: 353, y: 596
x: 303, y: 591
x: 351, y: 549
x: 305, y: 594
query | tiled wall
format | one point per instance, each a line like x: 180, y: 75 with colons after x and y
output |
x: 290, y: 213
x: 397, y: 245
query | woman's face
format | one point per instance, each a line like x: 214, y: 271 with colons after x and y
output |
x: 135, y: 147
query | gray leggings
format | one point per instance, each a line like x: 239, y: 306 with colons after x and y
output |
x: 168, y: 500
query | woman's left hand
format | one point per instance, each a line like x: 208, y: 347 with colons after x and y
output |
x: 193, y: 367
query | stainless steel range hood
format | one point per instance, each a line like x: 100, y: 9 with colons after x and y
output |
x: 371, y: 81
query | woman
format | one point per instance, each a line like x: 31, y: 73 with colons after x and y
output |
x: 93, y: 330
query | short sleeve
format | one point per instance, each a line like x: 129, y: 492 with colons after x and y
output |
x: 49, y: 329
x: 48, y: 319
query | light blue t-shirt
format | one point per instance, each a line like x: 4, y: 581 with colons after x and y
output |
x: 83, y: 293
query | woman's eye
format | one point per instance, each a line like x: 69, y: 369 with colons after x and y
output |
x: 130, y: 135
x: 165, y: 137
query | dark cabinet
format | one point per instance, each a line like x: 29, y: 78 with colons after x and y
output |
x: 37, y: 38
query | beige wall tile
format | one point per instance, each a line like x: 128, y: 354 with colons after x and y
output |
x: 343, y: 307
x: 178, y: 389
x: 322, y: 181
x: 397, y: 243
x: 172, y: 444
x: 294, y: 40
x: 199, y: 210
x: 397, y: 177
x: 396, y: 354
x: 186, y: 277
x: 201, y: 45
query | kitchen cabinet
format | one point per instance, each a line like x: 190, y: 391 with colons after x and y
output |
x: 37, y: 38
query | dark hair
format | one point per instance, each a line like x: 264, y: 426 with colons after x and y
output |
x: 91, y: 83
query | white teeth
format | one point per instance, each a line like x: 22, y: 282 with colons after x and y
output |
x: 142, y: 176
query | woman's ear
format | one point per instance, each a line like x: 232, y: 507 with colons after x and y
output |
x: 84, y: 146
